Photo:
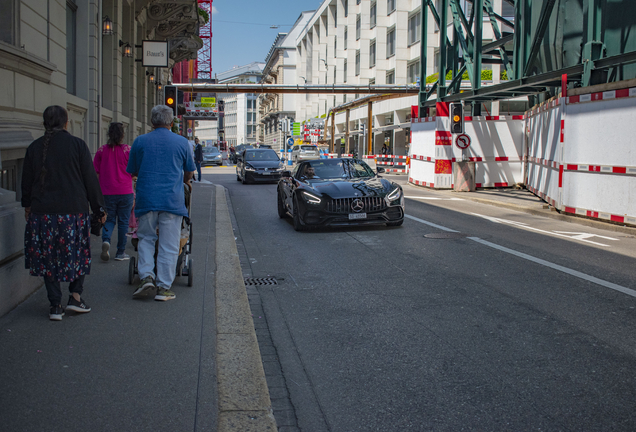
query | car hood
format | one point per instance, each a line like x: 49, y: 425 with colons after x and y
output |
x: 265, y: 164
x: 211, y: 155
x: 371, y: 187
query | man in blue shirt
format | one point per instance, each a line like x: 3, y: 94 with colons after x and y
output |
x: 162, y: 162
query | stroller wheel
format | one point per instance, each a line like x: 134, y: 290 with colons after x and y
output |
x: 131, y: 270
x: 190, y: 274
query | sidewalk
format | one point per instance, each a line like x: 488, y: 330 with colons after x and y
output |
x: 189, y: 364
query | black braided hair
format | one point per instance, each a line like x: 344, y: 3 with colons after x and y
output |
x: 115, y: 134
x: 55, y: 119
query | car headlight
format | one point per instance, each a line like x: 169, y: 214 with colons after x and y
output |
x: 394, y: 194
x: 249, y: 167
x: 311, y: 198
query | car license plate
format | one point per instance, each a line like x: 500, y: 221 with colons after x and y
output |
x: 267, y: 173
x: 357, y: 216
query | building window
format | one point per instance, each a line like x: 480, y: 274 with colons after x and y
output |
x: 390, y: 6
x: 8, y: 21
x: 390, y: 42
x: 414, y: 28
x: 345, y: 37
x: 372, y: 53
x: 345, y: 5
x: 357, y: 2
x: 390, y: 77
x: 412, y: 72
x: 71, y: 47
x: 335, y: 47
x: 345, y: 71
x: 357, y: 62
x: 373, y: 14
x: 358, y: 27
x: 335, y: 17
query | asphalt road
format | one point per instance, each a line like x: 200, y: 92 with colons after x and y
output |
x: 512, y: 322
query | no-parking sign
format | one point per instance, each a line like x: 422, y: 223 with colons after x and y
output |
x: 462, y: 141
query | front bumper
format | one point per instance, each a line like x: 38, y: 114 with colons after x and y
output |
x: 319, y: 216
x: 257, y: 176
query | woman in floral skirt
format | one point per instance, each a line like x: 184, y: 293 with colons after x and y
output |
x: 58, y: 183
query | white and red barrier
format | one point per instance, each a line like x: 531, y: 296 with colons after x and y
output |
x: 581, y: 156
x: 496, y: 147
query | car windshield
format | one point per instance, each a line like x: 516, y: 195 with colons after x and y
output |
x: 308, y: 148
x: 264, y: 155
x: 210, y: 150
x: 338, y: 169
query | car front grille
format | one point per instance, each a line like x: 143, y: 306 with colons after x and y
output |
x: 343, y: 205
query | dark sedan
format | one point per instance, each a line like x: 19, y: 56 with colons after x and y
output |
x: 338, y: 192
x: 258, y: 165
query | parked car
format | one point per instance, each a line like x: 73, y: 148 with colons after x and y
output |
x: 304, y: 152
x: 211, y: 155
x: 338, y: 192
x: 258, y: 165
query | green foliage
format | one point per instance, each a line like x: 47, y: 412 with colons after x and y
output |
x: 205, y: 15
x: 486, y: 75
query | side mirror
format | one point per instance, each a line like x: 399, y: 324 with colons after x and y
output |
x: 283, y: 159
x: 285, y: 174
x: 380, y: 170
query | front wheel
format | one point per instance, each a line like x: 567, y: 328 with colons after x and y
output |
x: 298, y: 225
x: 281, y: 206
x: 190, y: 273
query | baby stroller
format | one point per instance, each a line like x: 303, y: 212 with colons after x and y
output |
x: 184, y: 262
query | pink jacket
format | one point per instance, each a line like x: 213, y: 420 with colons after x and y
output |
x: 110, y: 164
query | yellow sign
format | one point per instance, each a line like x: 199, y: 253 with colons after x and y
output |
x: 208, y: 102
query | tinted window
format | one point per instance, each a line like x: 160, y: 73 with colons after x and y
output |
x: 341, y: 168
x: 267, y: 155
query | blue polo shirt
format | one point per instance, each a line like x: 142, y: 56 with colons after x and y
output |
x: 160, y: 158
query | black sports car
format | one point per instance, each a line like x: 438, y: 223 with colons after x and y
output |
x: 338, y: 192
x: 258, y: 165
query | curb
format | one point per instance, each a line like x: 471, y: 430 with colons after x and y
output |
x: 244, y: 403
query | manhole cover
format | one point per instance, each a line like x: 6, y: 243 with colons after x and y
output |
x: 261, y: 281
x: 446, y: 235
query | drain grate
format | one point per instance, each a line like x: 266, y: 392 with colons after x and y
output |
x: 261, y: 281
x: 446, y: 235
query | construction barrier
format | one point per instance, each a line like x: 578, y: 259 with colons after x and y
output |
x: 496, y: 147
x: 581, y: 156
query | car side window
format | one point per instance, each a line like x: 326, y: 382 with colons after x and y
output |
x: 294, y: 172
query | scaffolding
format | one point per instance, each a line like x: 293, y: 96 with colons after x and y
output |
x: 204, y: 56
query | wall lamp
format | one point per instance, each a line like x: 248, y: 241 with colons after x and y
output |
x: 107, y: 26
x: 151, y: 77
x: 126, y: 50
x: 159, y: 86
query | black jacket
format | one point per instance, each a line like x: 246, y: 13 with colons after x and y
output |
x: 70, y: 182
x: 198, y: 153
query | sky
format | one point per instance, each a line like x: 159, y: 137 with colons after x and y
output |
x: 241, y: 32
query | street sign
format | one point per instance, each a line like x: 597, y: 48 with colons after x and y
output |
x: 189, y: 131
x: 290, y: 142
x: 462, y: 141
x: 155, y: 54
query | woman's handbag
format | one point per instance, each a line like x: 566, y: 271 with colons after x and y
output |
x: 96, y: 222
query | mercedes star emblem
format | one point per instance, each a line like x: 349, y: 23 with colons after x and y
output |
x: 357, y: 205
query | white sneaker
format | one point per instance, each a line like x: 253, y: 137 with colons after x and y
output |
x: 105, y: 256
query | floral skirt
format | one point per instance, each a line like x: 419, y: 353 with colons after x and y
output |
x: 58, y: 246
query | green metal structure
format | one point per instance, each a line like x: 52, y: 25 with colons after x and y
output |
x: 549, y: 45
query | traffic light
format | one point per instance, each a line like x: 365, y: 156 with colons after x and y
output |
x: 457, y: 118
x: 170, y: 97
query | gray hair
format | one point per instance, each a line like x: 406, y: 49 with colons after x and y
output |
x: 161, y: 115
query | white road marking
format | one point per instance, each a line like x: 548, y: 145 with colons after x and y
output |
x: 575, y: 273
x: 576, y: 236
x: 607, y: 284
x: 430, y: 223
x: 434, y: 198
